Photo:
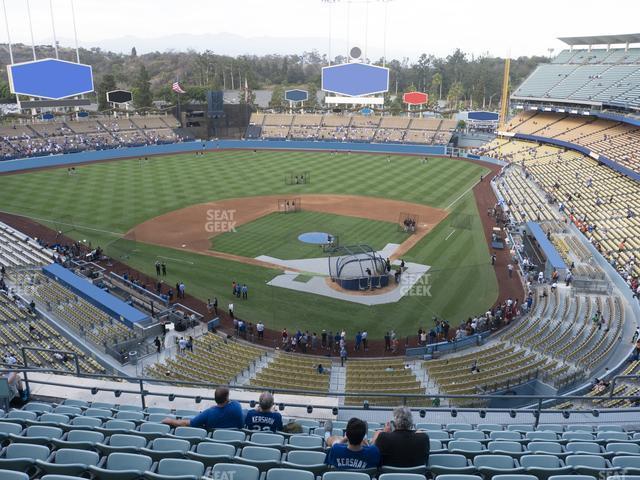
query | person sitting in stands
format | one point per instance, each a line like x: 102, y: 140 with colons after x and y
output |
x: 399, y: 444
x: 263, y: 418
x: 225, y: 414
x: 352, y: 452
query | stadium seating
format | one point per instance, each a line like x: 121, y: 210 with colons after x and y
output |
x: 543, y: 453
x: 385, y: 377
x: 598, y: 76
x: 294, y: 372
x: 45, y: 138
x: 356, y: 128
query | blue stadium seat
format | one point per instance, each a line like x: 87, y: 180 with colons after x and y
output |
x: 67, y: 410
x: 38, y: 434
x: 262, y: 439
x: 232, y: 437
x: 237, y: 472
x: 305, y: 442
x: 401, y: 476
x: 193, y: 435
x: 210, y: 453
x: 439, y: 435
x: 345, y: 476
x: 551, y: 427
x: 89, y: 422
x: 609, y: 428
x: 122, y: 466
x: 79, y: 439
x: 544, y: 466
x: 579, y: 436
x: 544, y: 436
x: 116, y: 426
x: 37, y: 407
x: 492, y: 465
x: 130, y: 408
x: 152, y: 430
x: 524, y: 428
x: 452, y: 427
x: 435, y: 446
x: 122, y: 443
x: 489, y: 427
x: 130, y: 415
x: 458, y: 477
x: 289, y: 474
x: 514, y: 477
x: 104, y: 406
x: 399, y: 471
x: 306, y: 460
x: 468, y: 448
x: 579, y: 428
x: 571, y: 477
x: 176, y: 469
x: 158, y: 417
x: 609, y: 436
x: 53, y: 419
x: 551, y: 448
x: 162, y: 410
x: 593, y: 465
x: 11, y: 475
x: 505, y: 435
x: 514, y: 449
x: 428, y: 426
x: 262, y: 458
x: 75, y: 403
x: 9, y: 428
x: 22, y: 456
x: 68, y: 461
x: 630, y: 464
x: 587, y: 448
x: 183, y: 413
x: 21, y: 416
x: 446, y: 463
x: 98, y: 413
x: 469, y: 435
x: 166, y: 448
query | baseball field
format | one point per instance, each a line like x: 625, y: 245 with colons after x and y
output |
x: 208, y: 216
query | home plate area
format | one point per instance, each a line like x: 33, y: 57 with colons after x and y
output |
x: 313, y: 275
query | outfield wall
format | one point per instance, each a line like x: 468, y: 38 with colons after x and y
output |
x: 186, y: 147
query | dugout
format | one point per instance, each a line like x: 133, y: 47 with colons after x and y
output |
x: 358, y: 267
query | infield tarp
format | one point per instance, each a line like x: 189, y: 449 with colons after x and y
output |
x: 99, y: 298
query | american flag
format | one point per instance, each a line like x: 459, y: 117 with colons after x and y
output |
x: 177, y: 88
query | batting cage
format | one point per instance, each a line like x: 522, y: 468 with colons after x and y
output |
x: 408, y: 222
x: 358, y: 267
x: 289, y: 205
x: 297, y: 178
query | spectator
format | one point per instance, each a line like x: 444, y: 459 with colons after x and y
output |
x: 262, y: 418
x: 399, y: 444
x: 352, y: 451
x: 224, y: 414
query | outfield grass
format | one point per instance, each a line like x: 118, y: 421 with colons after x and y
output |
x: 276, y: 235
x: 105, y: 200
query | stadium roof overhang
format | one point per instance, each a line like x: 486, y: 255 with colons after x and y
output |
x: 602, y: 39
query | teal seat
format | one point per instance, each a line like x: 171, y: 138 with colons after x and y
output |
x: 210, y: 453
x: 130, y: 408
x: 232, y: 437
x: 289, y: 474
x: 514, y: 477
x: 506, y: 435
x: 69, y: 461
x: 543, y: 436
x: 262, y: 458
x: 458, y: 477
x: 68, y: 410
x: 122, y: 443
x: 551, y: 427
x: 22, y: 456
x: 587, y: 448
x: 452, y: 427
x: 593, y: 465
x: 550, y: 448
x: 579, y: 428
x: 8, y: 428
x: 489, y: 427
x: 421, y: 470
x: 153, y: 430
x: 609, y: 436
x: 261, y: 439
x: 191, y: 434
x: 162, y: 410
x: 53, y: 419
x: 468, y: 435
x: 580, y: 436
x: 122, y: 466
x: 111, y: 426
x: 630, y: 464
x: 89, y: 422
x: 176, y: 469
x: 438, y: 435
x: 75, y: 403
x: 513, y: 449
x: 38, y: 434
x: 79, y: 439
x: 609, y: 428
x: 11, y: 475
x: 308, y: 442
x: 130, y: 415
x: 237, y: 472
x: 468, y: 448
x: 571, y: 477
x: 623, y: 448
x: 37, y: 407
x: 166, y: 448
x: 306, y: 460
x: 449, y: 463
x: 345, y: 476
x: 435, y: 446
x: 544, y: 466
x: 428, y: 426
x: 98, y: 413
x: 524, y: 428
x: 491, y: 465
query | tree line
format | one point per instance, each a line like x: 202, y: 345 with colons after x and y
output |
x: 459, y: 79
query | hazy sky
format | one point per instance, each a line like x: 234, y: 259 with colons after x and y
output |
x: 414, y: 26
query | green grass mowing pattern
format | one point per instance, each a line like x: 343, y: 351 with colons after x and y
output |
x: 276, y: 235
x: 115, y: 196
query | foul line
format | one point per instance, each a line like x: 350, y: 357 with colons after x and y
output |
x: 461, y: 195
x: 452, y: 232
x: 116, y: 234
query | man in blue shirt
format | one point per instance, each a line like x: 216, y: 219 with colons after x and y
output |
x: 352, y: 452
x: 263, y: 418
x: 225, y: 414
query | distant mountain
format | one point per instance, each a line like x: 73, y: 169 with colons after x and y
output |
x: 220, y: 43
